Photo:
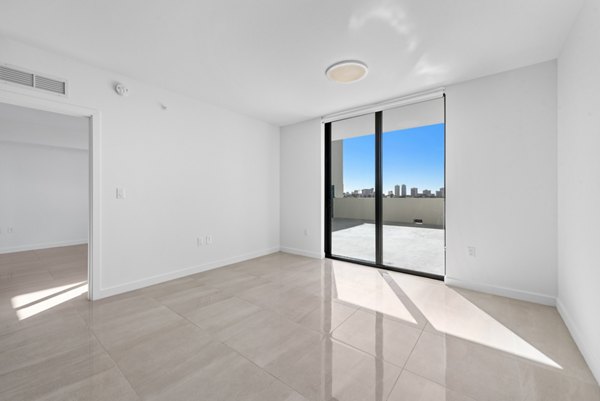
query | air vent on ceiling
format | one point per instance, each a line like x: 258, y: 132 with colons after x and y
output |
x: 32, y: 80
x: 49, y: 84
x: 16, y: 76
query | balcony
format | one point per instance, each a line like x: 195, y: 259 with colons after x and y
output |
x: 413, y: 232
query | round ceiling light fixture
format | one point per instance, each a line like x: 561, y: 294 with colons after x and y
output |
x: 347, y: 71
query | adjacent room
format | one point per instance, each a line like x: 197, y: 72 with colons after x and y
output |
x: 44, y: 199
x: 350, y: 200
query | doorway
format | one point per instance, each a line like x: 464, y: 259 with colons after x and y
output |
x: 385, y: 188
x: 48, y: 181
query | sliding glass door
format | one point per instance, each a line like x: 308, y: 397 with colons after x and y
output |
x: 385, y: 184
x: 414, y: 191
x: 353, y: 188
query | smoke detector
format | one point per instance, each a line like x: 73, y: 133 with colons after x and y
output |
x: 121, y: 89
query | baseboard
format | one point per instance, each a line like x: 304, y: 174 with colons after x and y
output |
x: 503, y: 291
x: 585, y: 345
x: 302, y: 252
x: 161, y: 278
x: 33, y: 247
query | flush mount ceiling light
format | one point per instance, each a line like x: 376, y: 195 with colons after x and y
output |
x: 347, y: 71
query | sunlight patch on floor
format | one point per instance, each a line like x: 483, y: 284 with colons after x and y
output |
x: 451, y: 313
x: 364, y: 286
x: 30, y: 304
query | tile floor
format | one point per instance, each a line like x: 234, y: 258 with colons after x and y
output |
x: 279, y: 327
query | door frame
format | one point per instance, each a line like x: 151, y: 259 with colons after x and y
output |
x: 328, y: 199
x: 55, y: 104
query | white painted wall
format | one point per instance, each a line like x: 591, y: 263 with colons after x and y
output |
x: 579, y: 184
x: 43, y: 196
x: 190, y: 171
x: 302, y: 188
x: 25, y: 125
x: 501, y: 183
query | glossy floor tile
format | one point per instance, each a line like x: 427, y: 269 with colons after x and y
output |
x: 276, y: 328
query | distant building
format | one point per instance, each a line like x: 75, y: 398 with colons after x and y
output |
x: 414, y: 192
x: 438, y: 194
x: 403, y: 191
x: 426, y: 192
x: 368, y: 192
x: 397, y: 190
x: 391, y: 194
x: 442, y: 192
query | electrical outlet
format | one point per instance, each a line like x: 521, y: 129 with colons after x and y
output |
x: 9, y: 230
x: 199, y: 241
x: 472, y: 251
x: 209, y: 239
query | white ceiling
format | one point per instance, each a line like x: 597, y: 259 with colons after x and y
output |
x: 266, y: 58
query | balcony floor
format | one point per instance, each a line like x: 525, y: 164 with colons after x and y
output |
x: 407, y: 247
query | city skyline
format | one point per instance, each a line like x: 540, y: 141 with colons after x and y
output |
x: 414, y: 193
x: 413, y: 157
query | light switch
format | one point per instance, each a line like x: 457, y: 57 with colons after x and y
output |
x: 120, y: 193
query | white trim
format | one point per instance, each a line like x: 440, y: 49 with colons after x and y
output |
x: 386, y: 104
x: 95, y: 235
x: 33, y: 247
x: 502, y: 291
x: 302, y: 252
x: 584, y: 345
x: 322, y: 192
x: 59, y: 105
x: 161, y: 278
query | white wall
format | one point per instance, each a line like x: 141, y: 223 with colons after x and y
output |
x: 501, y: 183
x: 579, y: 183
x: 302, y: 188
x: 25, y: 125
x: 43, y: 196
x: 189, y: 171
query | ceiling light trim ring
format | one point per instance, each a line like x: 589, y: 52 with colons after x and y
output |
x: 347, y: 71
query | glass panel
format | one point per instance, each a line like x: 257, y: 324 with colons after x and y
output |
x: 413, y: 187
x: 353, y: 188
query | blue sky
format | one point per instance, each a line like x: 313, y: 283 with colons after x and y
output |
x: 414, y: 157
